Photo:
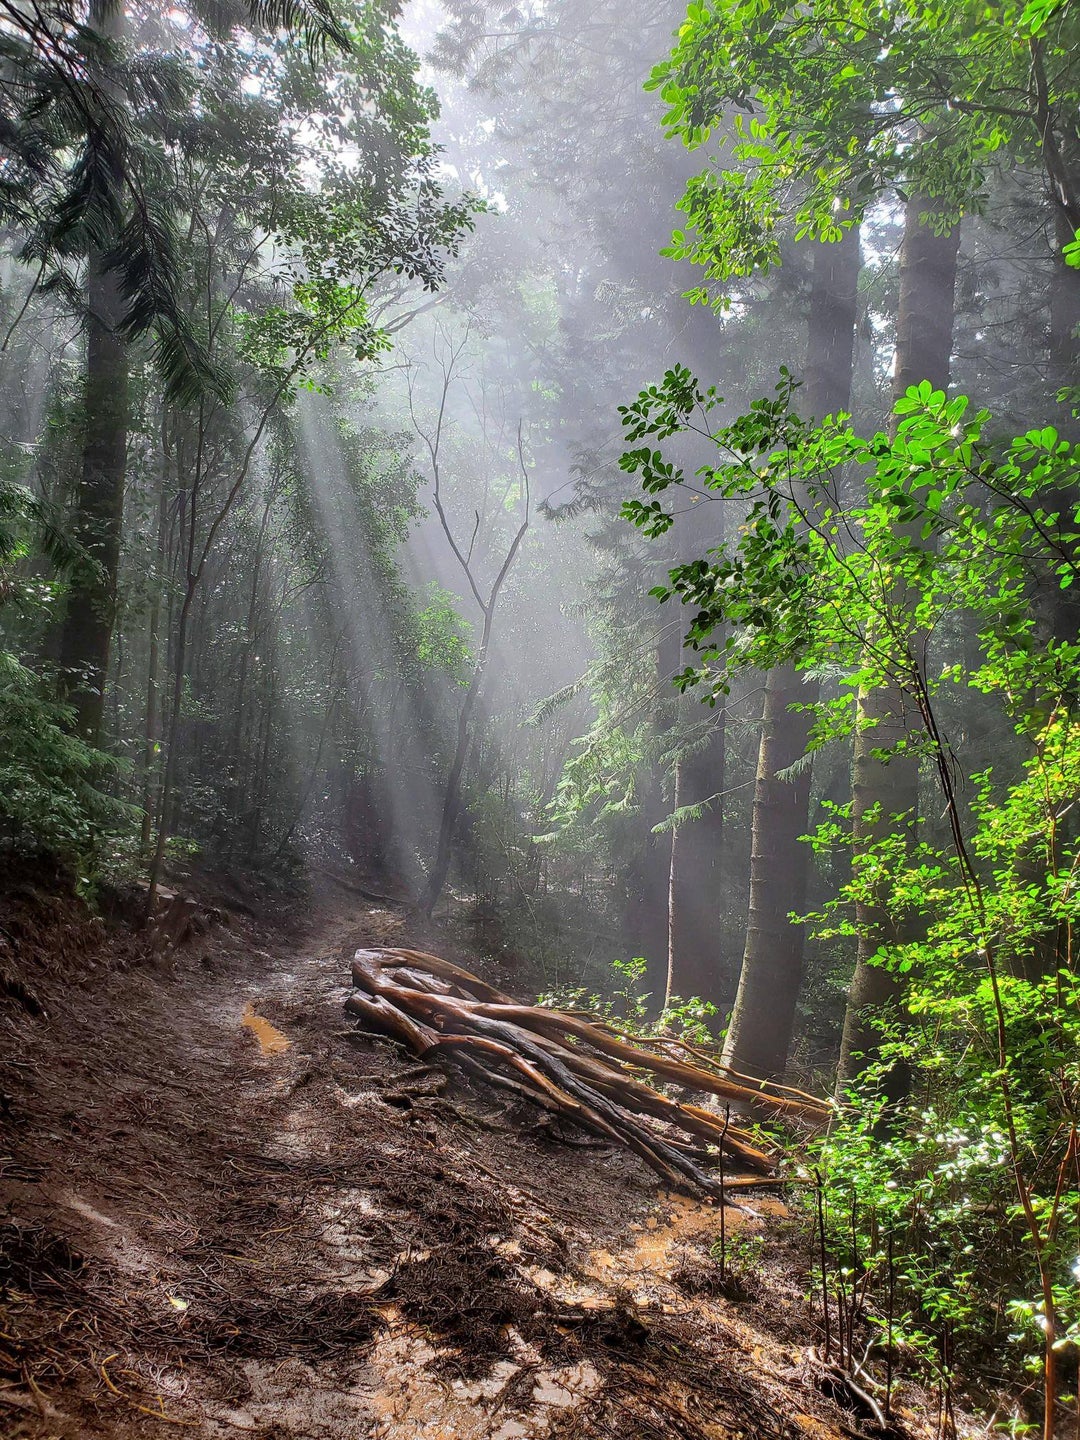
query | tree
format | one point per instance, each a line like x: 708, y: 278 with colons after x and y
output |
x: 99, y: 504
x: 885, y: 781
x: 695, y: 870
x: 951, y: 523
x: 88, y: 117
x: 830, y: 141
x: 549, y: 144
x: 763, y: 1018
x: 486, y: 597
x: 344, y: 246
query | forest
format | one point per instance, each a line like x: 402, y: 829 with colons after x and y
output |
x: 540, y: 719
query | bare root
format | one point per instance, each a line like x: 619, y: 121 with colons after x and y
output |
x: 573, y: 1066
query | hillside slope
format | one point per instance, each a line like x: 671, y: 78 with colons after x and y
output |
x: 224, y: 1212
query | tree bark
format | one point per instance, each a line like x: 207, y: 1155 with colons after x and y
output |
x: 573, y: 1066
x: 1064, y: 348
x: 98, y: 520
x: 152, y: 721
x: 454, y: 796
x: 889, y: 788
x: 695, y: 872
x: 695, y: 954
x: 762, y: 1022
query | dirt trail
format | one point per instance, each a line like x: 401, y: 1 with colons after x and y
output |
x: 224, y: 1213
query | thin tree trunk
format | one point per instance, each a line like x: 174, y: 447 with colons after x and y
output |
x: 168, y: 779
x: 645, y: 924
x: 1058, y: 611
x: 152, y: 727
x: 246, y: 650
x: 762, y: 1022
x: 262, y: 778
x: 453, y: 797
x: 653, y: 887
x: 882, y: 790
x: 313, y: 775
x: 451, y: 811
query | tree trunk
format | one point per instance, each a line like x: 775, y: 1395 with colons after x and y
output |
x: 152, y: 725
x: 454, y: 797
x: 759, y: 1034
x: 924, y: 321
x: 237, y: 753
x: 924, y: 330
x: 168, y: 778
x: 98, y: 521
x: 695, y: 864
x: 1064, y: 312
x: 99, y: 507
x: 694, y: 877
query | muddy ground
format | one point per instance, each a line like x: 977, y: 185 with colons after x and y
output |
x: 224, y: 1212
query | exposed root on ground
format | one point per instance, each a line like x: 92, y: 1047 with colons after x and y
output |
x: 571, y: 1065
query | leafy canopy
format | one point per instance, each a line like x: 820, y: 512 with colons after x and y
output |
x: 821, y: 108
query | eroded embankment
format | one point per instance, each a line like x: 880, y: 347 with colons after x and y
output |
x: 225, y: 1212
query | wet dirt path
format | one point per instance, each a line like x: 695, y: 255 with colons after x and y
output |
x: 228, y: 1214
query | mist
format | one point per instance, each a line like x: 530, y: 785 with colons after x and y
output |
x: 581, y: 501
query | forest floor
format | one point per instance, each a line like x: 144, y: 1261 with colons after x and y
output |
x: 224, y: 1213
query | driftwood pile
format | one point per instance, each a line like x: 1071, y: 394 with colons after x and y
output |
x: 575, y: 1066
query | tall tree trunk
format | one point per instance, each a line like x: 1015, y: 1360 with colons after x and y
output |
x: 1064, y: 311
x: 152, y: 713
x: 168, y: 779
x: 454, y: 796
x: 759, y: 1034
x: 248, y: 647
x: 885, y: 789
x: 924, y: 320
x: 646, y: 918
x: 1058, y: 611
x: 695, y: 954
x: 98, y: 521
x: 696, y: 866
x: 99, y: 507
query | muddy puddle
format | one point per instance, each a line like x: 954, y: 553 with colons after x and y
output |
x: 683, y: 1221
x: 271, y: 1040
x: 655, y: 1239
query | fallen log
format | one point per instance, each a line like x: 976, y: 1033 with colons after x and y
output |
x: 573, y: 1066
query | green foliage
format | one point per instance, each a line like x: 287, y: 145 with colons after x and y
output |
x: 821, y: 108
x: 52, y: 794
x: 951, y: 522
x: 625, y: 1003
x: 599, y: 780
x: 89, y: 115
x: 855, y: 556
x: 442, y: 635
x: 742, y: 1253
x: 52, y: 785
